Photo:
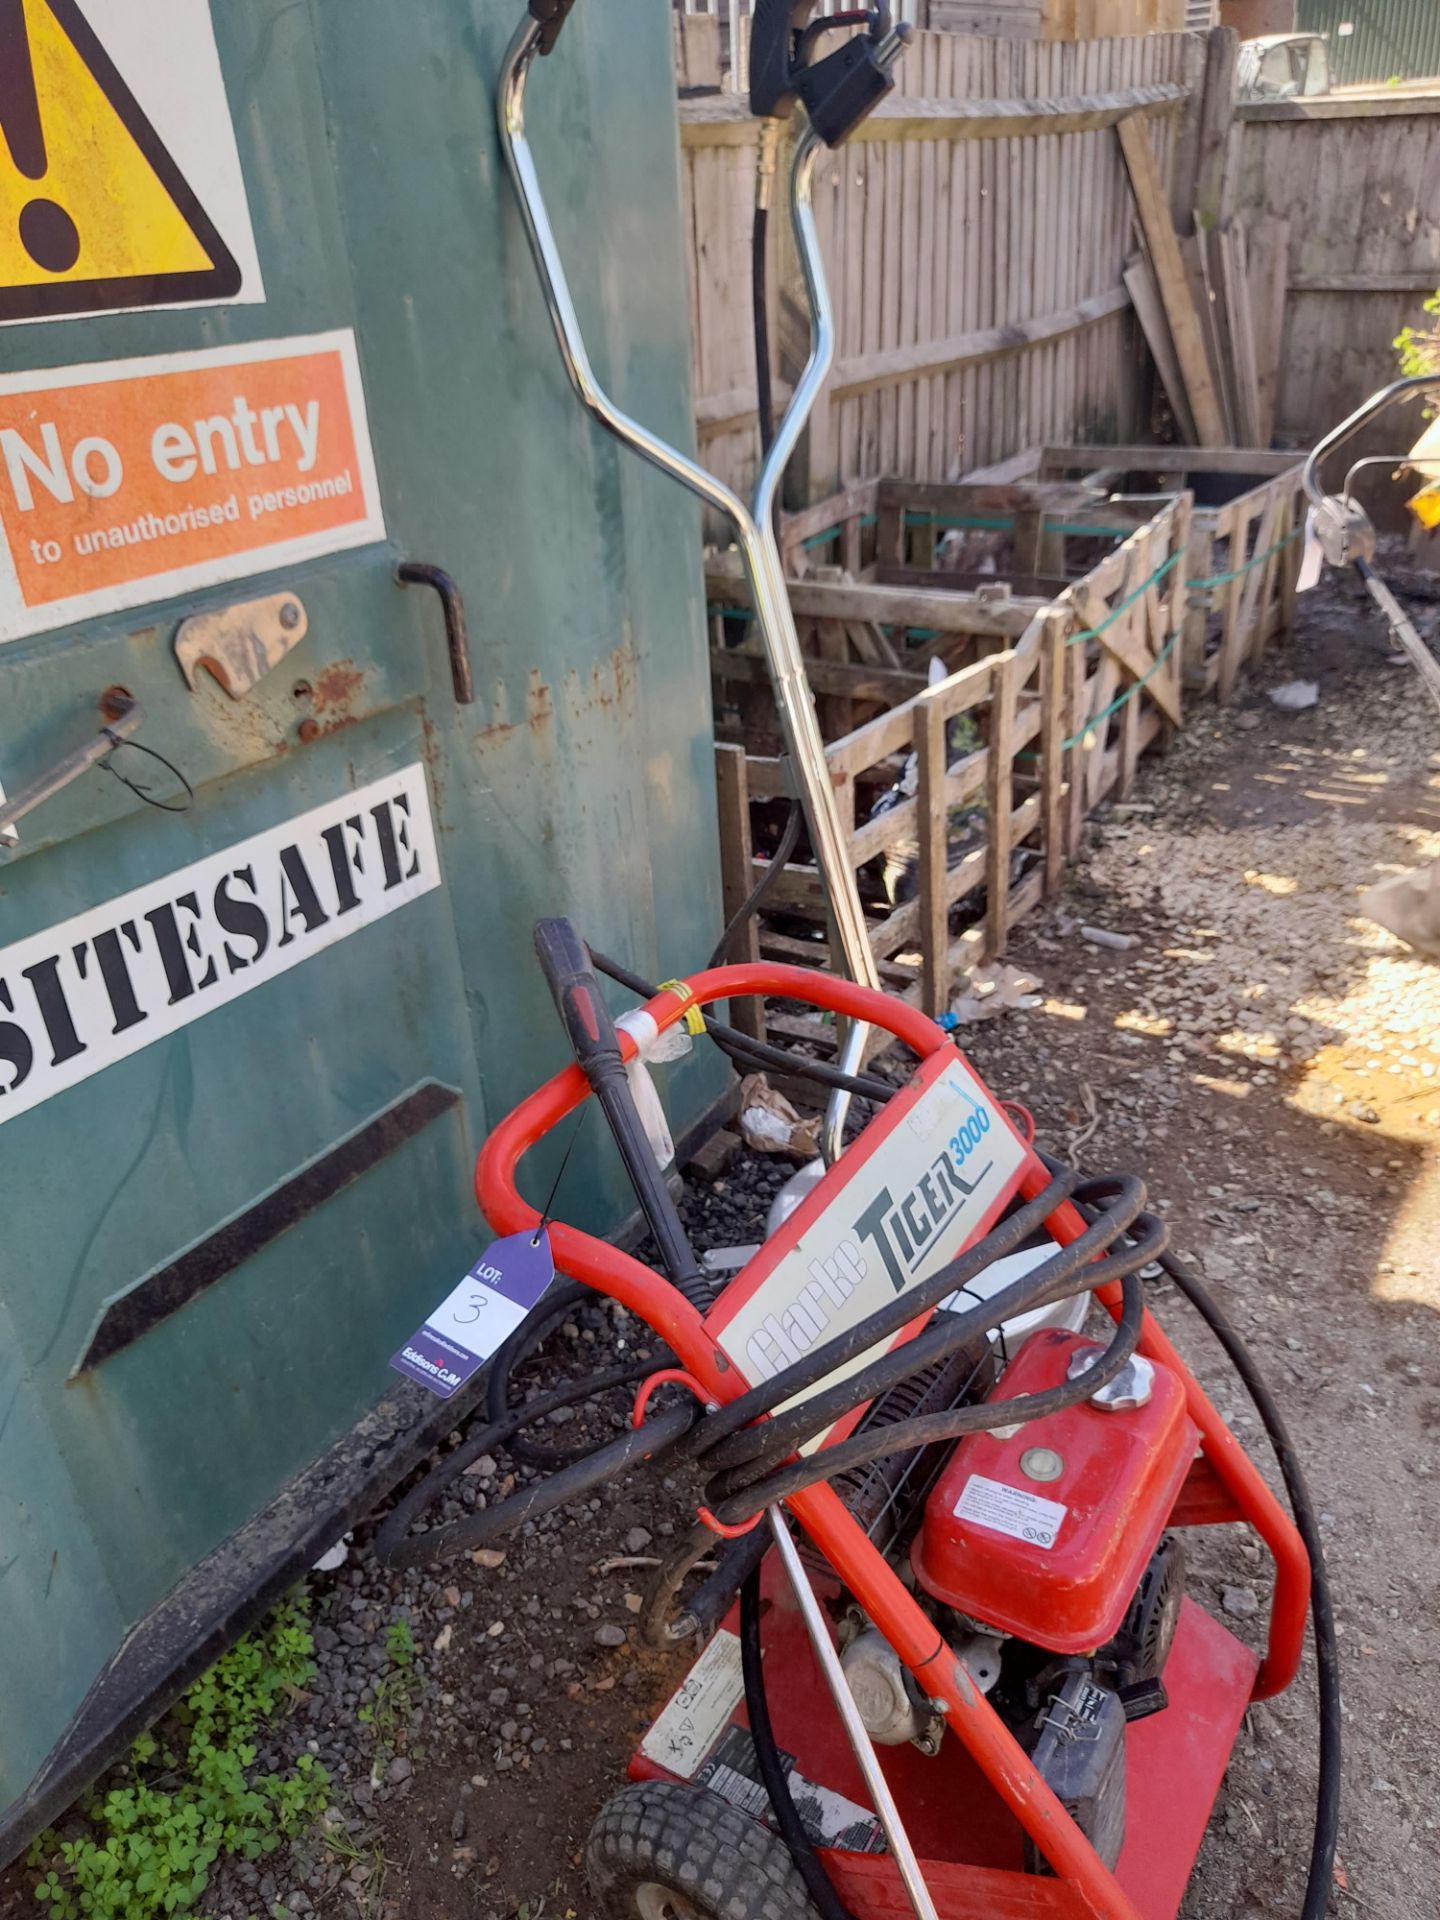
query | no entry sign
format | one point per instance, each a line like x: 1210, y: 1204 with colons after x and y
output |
x: 132, y: 480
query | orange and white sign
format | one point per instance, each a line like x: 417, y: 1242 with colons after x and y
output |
x: 133, y: 480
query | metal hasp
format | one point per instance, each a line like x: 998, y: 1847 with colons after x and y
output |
x: 239, y: 644
x: 759, y: 548
x: 123, y: 719
x: 1343, y: 526
x: 418, y: 573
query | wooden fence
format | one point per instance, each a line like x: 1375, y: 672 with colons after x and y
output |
x: 975, y: 233
x: 1359, y: 182
x: 987, y: 776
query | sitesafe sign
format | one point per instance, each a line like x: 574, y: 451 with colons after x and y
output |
x: 99, y: 987
x: 132, y: 480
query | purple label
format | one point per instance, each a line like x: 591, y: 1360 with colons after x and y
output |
x: 479, y: 1315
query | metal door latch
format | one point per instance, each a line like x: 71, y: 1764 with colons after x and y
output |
x: 239, y: 644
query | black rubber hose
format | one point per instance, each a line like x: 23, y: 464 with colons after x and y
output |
x: 772, y: 1774
x: 907, y: 1435
x: 755, y: 899
x: 557, y: 1304
x: 707, y: 1606
x: 401, y: 1549
x: 1322, y: 1610
x: 757, y: 1052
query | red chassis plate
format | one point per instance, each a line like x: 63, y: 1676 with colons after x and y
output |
x: 929, y: 1175
x: 969, y: 1841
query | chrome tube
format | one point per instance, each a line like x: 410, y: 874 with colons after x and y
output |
x: 901, y: 1852
x: 1352, y: 423
x: 754, y: 526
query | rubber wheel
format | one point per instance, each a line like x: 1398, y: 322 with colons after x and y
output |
x: 663, y: 1851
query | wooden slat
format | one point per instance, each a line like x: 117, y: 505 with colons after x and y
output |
x: 934, y: 821
x: 885, y: 606
x: 1164, y: 250
x: 726, y: 120
x: 736, y: 867
x: 1150, y: 311
x: 999, y: 773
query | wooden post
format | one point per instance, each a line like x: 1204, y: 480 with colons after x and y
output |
x: 1238, y: 523
x: 933, y: 832
x: 1177, y: 597
x: 1217, y: 114
x: 737, y: 874
x: 1076, y: 676
x: 1292, y: 555
x: 999, y: 793
x: 1057, y: 623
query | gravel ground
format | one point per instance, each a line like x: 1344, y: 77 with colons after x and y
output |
x: 1271, y: 1064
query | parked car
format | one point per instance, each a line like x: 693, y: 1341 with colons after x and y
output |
x: 1283, y: 66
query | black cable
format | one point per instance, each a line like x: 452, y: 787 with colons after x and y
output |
x: 772, y: 1774
x: 756, y: 1052
x: 760, y: 320
x: 1322, y: 1609
x: 751, y: 905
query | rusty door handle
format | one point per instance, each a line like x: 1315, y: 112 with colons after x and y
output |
x: 419, y: 573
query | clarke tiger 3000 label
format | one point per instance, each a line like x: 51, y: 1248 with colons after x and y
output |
x: 131, y: 480
x: 79, y: 997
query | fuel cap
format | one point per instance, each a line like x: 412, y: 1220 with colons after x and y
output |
x: 1131, y: 1387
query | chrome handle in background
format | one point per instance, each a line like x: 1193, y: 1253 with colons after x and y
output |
x: 1344, y: 530
x: 1367, y: 410
x: 759, y: 547
x: 123, y: 719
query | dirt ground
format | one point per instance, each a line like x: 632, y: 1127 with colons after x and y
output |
x: 1270, y: 1062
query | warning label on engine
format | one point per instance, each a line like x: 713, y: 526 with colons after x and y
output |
x: 1011, y: 1510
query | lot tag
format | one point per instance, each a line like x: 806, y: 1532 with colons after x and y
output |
x: 479, y: 1316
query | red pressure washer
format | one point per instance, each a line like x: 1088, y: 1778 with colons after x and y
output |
x: 1026, y: 1715
x: 1033, y: 1718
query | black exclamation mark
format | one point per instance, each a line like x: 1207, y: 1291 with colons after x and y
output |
x: 47, y: 232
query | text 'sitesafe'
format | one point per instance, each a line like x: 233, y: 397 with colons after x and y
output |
x: 89, y: 992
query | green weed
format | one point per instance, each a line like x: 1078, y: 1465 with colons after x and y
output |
x: 190, y: 1797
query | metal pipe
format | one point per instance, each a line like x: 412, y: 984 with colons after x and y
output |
x: 906, y: 1862
x: 1352, y: 423
x: 759, y: 548
x: 79, y: 760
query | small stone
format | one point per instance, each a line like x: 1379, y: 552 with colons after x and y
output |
x: 637, y: 1539
x: 452, y: 1596
x: 399, y: 1769
x: 443, y: 1638
x: 488, y: 1557
x: 610, y: 1636
x: 1247, y: 722
x: 1241, y: 1601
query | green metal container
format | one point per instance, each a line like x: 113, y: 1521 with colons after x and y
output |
x: 249, y: 1047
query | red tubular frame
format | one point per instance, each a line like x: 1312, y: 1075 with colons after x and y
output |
x: 818, y: 1508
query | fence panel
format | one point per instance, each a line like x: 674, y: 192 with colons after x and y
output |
x: 975, y: 234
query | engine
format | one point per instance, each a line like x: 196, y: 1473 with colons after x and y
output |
x: 1042, y: 1551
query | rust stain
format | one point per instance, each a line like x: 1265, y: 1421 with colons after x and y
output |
x: 337, y: 685
x: 539, y: 703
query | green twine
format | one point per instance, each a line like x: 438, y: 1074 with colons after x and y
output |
x: 834, y: 533
x: 1093, y: 633
x: 1098, y: 719
x: 1255, y: 560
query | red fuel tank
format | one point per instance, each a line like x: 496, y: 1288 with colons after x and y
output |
x: 1045, y: 1534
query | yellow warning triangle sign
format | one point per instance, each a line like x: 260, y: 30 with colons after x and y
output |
x: 94, y: 212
